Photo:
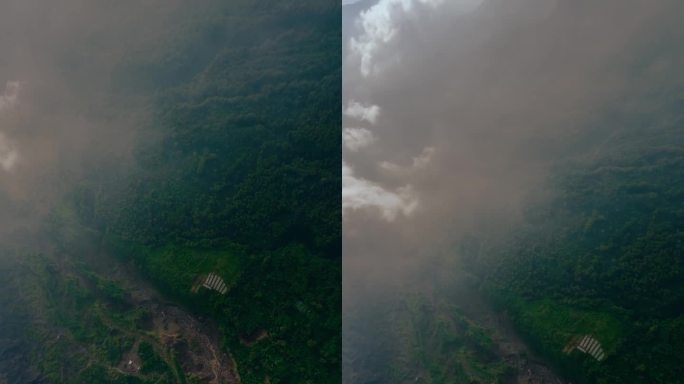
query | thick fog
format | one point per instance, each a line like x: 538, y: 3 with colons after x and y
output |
x: 69, y: 112
x: 64, y: 106
x: 456, y: 111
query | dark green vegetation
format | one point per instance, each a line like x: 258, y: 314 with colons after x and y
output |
x: 249, y: 107
x: 83, y: 326
x: 605, y: 257
x: 244, y: 182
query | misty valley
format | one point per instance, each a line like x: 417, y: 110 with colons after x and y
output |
x: 170, y: 192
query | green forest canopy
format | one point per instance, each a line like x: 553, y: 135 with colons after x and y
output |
x: 245, y: 181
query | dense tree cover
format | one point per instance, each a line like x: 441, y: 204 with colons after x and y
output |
x: 605, y: 256
x: 294, y: 300
x: 241, y: 177
x: 250, y: 146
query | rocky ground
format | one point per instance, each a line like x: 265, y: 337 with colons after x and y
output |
x: 193, y: 340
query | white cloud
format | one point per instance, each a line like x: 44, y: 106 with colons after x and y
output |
x: 8, y: 100
x: 379, y: 27
x: 421, y: 161
x: 359, y: 111
x: 380, y: 24
x: 418, y: 163
x: 8, y: 154
x: 357, y: 138
x: 10, y: 97
x: 358, y: 193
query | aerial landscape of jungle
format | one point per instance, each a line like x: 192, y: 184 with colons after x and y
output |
x: 170, y: 191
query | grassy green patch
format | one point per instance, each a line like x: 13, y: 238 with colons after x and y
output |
x: 554, y: 324
x: 175, y: 268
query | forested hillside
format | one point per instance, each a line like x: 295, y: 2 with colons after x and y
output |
x: 604, y: 258
x: 248, y: 101
x: 239, y: 175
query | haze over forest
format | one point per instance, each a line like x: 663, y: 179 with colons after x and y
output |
x: 512, y: 165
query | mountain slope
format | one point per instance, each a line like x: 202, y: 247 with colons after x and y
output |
x: 604, y: 258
